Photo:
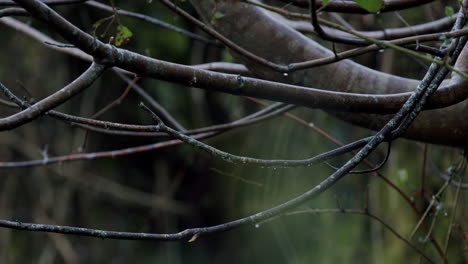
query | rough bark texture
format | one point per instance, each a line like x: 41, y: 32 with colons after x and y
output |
x: 258, y: 32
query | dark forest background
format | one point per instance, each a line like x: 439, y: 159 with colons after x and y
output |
x: 170, y: 189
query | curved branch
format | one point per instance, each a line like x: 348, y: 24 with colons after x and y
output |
x: 225, y: 67
x: 161, y: 127
x: 361, y: 39
x: 323, y: 35
x: 385, y: 34
x: 155, y: 105
x: 98, y: 155
x: 359, y: 86
x: 13, y: 11
x: 192, y: 233
x: 54, y: 100
x: 259, y: 116
x: 238, y: 85
x: 375, y: 47
x: 288, y: 46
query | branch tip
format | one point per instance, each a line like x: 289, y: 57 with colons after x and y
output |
x: 159, y: 122
x: 193, y: 238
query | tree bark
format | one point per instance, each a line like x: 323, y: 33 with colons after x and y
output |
x: 258, y: 32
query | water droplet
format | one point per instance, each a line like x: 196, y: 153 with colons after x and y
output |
x: 257, y: 225
x: 445, y: 213
x: 450, y: 170
x: 285, y: 74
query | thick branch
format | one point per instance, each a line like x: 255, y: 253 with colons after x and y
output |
x: 235, y: 84
x: 287, y: 46
x: 13, y: 11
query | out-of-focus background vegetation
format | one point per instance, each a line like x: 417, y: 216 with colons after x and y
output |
x: 196, y: 189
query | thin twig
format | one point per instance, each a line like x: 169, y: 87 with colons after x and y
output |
x: 54, y: 100
x: 452, y: 219
x: 154, y: 104
x: 376, y: 168
x: 152, y: 20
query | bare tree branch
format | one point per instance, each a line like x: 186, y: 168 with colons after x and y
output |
x: 439, y: 25
x: 54, y: 100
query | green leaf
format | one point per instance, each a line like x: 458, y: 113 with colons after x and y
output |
x: 123, y: 34
x: 449, y: 11
x: 218, y: 15
x: 370, y: 5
